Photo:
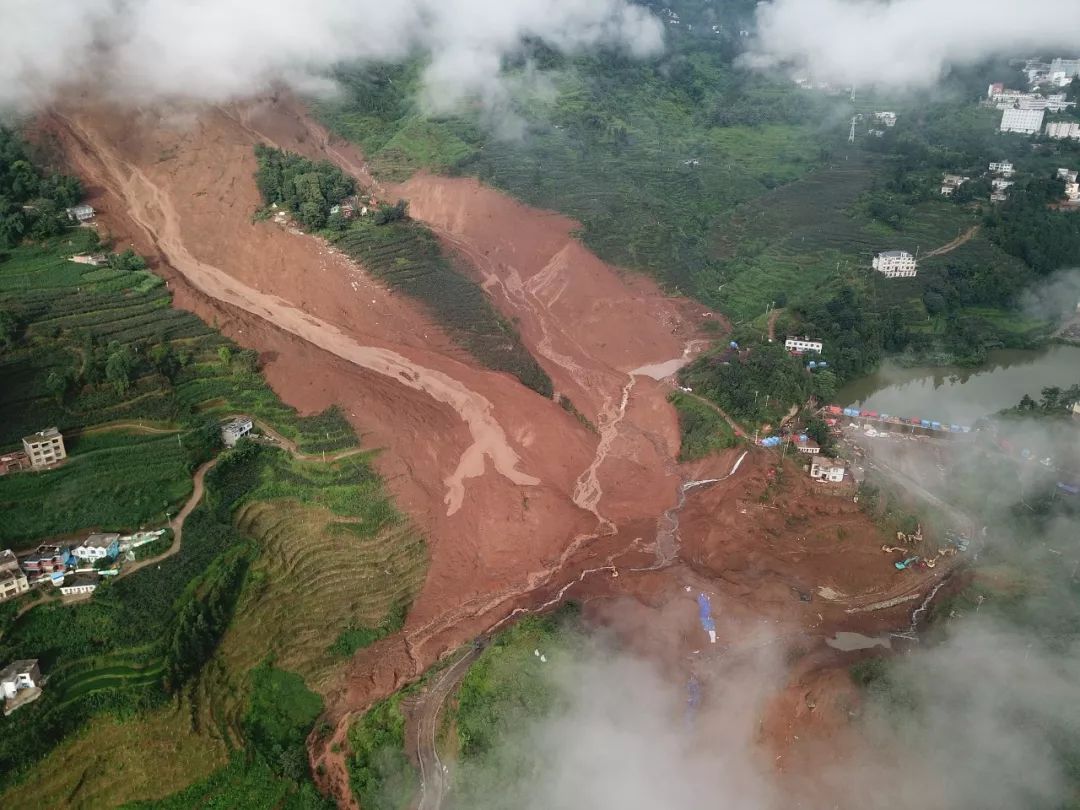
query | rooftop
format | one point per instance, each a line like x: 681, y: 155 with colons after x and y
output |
x: 17, y: 667
x: 8, y: 559
x: 42, y: 435
x: 894, y: 254
x: 100, y: 540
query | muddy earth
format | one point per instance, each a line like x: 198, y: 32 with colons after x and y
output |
x: 521, y: 504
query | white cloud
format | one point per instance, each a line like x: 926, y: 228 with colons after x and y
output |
x: 217, y: 50
x: 905, y: 43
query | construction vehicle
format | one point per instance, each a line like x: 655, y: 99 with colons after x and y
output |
x: 903, y: 564
x: 891, y: 549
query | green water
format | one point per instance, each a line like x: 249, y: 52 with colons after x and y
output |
x: 962, y: 395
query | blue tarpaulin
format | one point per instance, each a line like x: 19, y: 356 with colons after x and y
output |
x: 705, y: 613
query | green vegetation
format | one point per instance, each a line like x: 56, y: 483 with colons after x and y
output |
x: 381, y: 775
x: 703, y: 430
x: 302, y: 186
x: 355, y: 638
x: 503, y: 691
x: 408, y: 257
x: 281, y: 711
x: 32, y: 201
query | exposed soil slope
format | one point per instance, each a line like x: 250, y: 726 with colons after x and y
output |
x: 521, y: 502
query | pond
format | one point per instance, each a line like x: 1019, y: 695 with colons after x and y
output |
x: 962, y: 395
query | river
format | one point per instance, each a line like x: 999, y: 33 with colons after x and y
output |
x: 962, y: 395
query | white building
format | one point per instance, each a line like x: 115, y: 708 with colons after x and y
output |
x: 887, y: 118
x: 895, y: 264
x: 803, y: 344
x: 1068, y: 175
x: 1025, y: 122
x: 1072, y: 193
x: 999, y: 184
x: 234, y: 431
x: 1067, y: 67
x: 12, y: 579
x: 80, y: 213
x: 951, y: 182
x: 1059, y: 130
x: 97, y: 547
x: 79, y: 585
x: 825, y: 469
x: 45, y: 447
x: 1004, y: 168
x: 20, y: 683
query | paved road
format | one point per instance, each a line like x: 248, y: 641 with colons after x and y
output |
x: 433, y: 778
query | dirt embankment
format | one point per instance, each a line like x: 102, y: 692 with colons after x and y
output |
x: 517, y: 498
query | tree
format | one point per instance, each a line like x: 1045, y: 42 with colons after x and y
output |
x: 127, y: 261
x: 386, y: 213
x: 118, y: 368
x: 57, y: 384
x: 164, y: 360
x: 9, y: 329
x: 224, y: 353
x: 824, y: 385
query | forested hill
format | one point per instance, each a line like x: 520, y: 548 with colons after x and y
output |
x: 32, y: 201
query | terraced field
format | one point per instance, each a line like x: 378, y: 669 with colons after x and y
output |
x: 333, y: 554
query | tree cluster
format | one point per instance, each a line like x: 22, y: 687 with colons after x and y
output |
x: 306, y: 188
x: 32, y: 202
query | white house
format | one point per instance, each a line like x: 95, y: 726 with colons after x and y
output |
x: 1004, y: 168
x: 885, y: 117
x: 1000, y: 184
x: 825, y: 469
x: 80, y: 213
x: 951, y: 182
x: 895, y: 264
x: 1067, y: 67
x: 808, y: 448
x: 1026, y: 122
x: 1068, y: 175
x: 19, y: 675
x: 234, y: 431
x: 79, y: 585
x: 803, y: 344
x: 97, y: 547
x: 1072, y: 192
x: 1060, y: 130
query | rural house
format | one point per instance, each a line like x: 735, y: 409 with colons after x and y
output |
x: 97, y: 547
x: 825, y: 469
x: 1025, y: 122
x: 12, y: 579
x: 46, y: 560
x: 20, y: 683
x: 80, y: 213
x: 797, y: 345
x: 46, y: 447
x: 1060, y: 130
x: 1004, y: 168
x: 951, y: 182
x: 895, y: 264
x: 79, y: 584
x: 234, y: 431
x: 13, y: 462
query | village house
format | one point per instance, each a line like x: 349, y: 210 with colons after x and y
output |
x: 1068, y: 175
x: 1004, y: 168
x: 1024, y: 122
x: 885, y: 117
x: 895, y: 264
x: 14, y: 462
x: 44, y: 448
x: 80, y: 213
x: 79, y: 584
x: 234, y: 431
x: 797, y: 345
x: 20, y: 683
x: 828, y: 470
x: 92, y: 259
x: 97, y: 547
x: 1000, y: 184
x: 806, y: 446
x: 1060, y: 130
x: 12, y: 579
x: 47, y: 560
x: 951, y: 182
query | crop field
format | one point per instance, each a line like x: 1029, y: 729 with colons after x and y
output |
x: 409, y: 258
x: 131, y: 484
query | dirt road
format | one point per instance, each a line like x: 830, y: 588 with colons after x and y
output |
x: 963, y: 238
x: 434, y: 780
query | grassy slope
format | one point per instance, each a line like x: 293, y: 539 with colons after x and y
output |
x: 702, y: 429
